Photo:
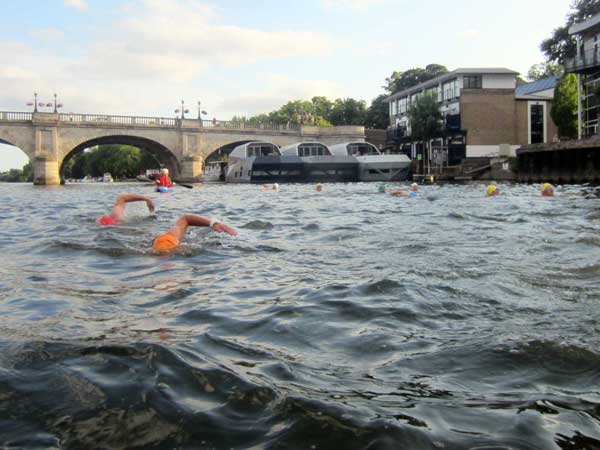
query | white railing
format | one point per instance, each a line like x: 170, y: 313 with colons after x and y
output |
x: 9, y: 116
x: 135, y: 121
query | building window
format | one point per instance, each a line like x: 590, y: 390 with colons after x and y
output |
x: 450, y: 90
x: 472, y: 82
x: 537, y: 124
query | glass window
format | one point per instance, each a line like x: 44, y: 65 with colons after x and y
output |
x: 472, y: 82
x: 537, y: 124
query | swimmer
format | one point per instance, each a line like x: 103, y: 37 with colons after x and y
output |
x: 266, y: 186
x: 117, y: 213
x: 547, y: 190
x: 414, y: 187
x: 381, y: 188
x: 400, y: 193
x: 164, y: 179
x: 275, y: 185
x: 171, y: 239
x: 319, y: 187
x: 492, y: 190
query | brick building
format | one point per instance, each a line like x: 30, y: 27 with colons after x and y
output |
x: 482, y: 108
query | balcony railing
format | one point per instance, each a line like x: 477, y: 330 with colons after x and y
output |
x: 588, y: 60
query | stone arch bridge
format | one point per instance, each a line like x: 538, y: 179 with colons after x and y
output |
x: 50, y: 139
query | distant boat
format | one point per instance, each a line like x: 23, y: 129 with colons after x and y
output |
x: 372, y: 164
x: 214, y: 171
x: 262, y: 162
x: 319, y: 164
x: 107, y: 178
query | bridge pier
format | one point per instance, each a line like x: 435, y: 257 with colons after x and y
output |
x: 45, y: 171
x: 191, y: 168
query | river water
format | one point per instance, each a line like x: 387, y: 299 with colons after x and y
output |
x: 342, y: 319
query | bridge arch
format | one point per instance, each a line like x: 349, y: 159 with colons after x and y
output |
x: 161, y: 153
x: 224, y: 151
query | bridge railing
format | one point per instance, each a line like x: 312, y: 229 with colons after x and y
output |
x: 237, y: 124
x: 10, y: 116
x: 117, y: 120
x: 102, y: 119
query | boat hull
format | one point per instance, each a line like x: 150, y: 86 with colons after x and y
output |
x: 330, y: 169
x: 383, y: 167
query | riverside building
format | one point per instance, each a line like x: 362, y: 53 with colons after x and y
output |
x: 586, y: 64
x: 482, y: 109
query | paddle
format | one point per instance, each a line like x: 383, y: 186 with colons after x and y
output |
x: 189, y: 186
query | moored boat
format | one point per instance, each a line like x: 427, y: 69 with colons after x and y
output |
x: 262, y: 162
x: 214, y: 171
x: 372, y: 164
x: 319, y: 164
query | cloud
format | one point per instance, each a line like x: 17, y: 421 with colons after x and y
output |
x: 350, y: 4
x: 156, y: 54
x: 47, y: 34
x: 468, y: 34
x: 80, y: 5
x: 279, y: 90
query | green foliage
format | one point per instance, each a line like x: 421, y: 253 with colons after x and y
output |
x: 544, y: 70
x: 425, y: 118
x: 121, y: 161
x: 378, y: 115
x: 18, y: 175
x: 400, y: 81
x: 564, y: 106
x: 348, y: 111
x: 560, y: 46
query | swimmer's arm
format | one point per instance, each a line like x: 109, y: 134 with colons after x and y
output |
x: 122, y: 200
x: 191, y: 220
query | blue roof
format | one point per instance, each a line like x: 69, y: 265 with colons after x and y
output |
x: 537, y: 86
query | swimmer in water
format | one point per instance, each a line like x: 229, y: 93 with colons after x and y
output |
x: 275, y: 185
x: 172, y: 238
x: 319, y: 187
x: 492, y: 190
x: 118, y: 212
x: 547, y: 190
x: 381, y: 188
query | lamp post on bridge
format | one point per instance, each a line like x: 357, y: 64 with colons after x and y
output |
x: 200, y: 113
x: 183, y: 110
x: 37, y: 104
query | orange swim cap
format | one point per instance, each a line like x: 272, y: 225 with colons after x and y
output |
x: 165, y: 242
x: 106, y: 220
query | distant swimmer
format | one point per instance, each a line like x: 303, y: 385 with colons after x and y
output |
x: 412, y: 192
x: 118, y: 212
x: 172, y: 238
x: 492, y: 190
x: 547, y: 190
x: 319, y: 187
x: 275, y: 185
x: 381, y: 188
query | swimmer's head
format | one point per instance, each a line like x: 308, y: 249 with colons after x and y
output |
x: 547, y: 190
x: 107, y: 220
x: 165, y: 242
x: 414, y: 187
x: 266, y: 186
x: 319, y: 187
x: 381, y: 187
x: 275, y: 185
x: 491, y: 190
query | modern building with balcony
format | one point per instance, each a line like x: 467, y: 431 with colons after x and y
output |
x: 482, y: 109
x: 586, y: 64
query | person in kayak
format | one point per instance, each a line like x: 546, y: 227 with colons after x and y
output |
x: 164, y: 180
x: 118, y: 212
x: 172, y: 238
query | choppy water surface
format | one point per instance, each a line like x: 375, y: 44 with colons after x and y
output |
x: 340, y: 319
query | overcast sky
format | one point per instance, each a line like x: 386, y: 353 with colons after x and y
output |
x: 239, y: 57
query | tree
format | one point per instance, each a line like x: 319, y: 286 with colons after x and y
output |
x: 348, y: 111
x: 377, y: 115
x: 425, y: 121
x: 544, y: 70
x: 564, y: 106
x: 400, y: 81
x: 560, y: 46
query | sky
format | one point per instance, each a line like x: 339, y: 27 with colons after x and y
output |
x: 239, y: 57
